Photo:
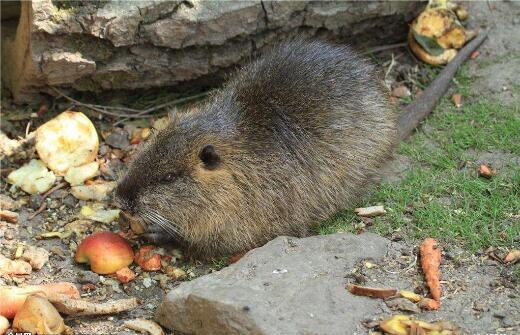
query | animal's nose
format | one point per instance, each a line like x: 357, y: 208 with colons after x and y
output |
x: 125, y: 199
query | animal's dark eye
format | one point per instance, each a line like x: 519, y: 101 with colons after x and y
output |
x: 169, y: 177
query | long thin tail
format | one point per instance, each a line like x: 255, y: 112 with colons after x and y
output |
x: 417, y: 111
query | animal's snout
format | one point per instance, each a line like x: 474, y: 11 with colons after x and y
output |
x: 126, y: 197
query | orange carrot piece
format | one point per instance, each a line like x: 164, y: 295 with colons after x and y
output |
x: 429, y: 304
x: 430, y: 263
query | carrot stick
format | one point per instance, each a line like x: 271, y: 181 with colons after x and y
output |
x: 429, y: 304
x: 430, y: 263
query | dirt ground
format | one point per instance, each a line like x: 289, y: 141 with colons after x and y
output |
x: 481, y: 294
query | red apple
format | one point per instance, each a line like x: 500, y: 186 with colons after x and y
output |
x: 106, y: 252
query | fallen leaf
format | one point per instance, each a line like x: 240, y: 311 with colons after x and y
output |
x: 394, y: 325
x: 457, y: 100
x: 144, y: 326
x: 474, y: 54
x: 42, y: 110
x: 236, y: 257
x: 370, y: 211
x: 513, y: 256
x: 410, y: 295
x: 145, y: 133
x: 371, y: 292
x: 486, y: 171
x: 406, y: 325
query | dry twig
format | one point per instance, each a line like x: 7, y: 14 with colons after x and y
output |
x: 70, y: 306
x: 45, y: 195
x: 126, y: 112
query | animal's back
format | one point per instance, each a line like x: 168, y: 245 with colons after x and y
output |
x: 316, y: 116
x: 293, y: 138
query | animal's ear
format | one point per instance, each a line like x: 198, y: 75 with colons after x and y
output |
x: 210, y: 157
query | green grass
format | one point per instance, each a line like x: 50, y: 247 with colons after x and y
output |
x: 449, y: 202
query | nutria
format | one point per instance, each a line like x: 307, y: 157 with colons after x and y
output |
x: 291, y: 139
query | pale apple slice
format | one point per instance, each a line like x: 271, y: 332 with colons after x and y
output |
x: 33, y: 177
x: 77, y: 175
x: 68, y: 140
x: 98, y: 191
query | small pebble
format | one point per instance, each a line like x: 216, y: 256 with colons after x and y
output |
x: 88, y: 277
x: 59, y: 194
x: 103, y: 149
x: 54, y: 204
x: 118, y: 139
x: 401, y: 92
x: 70, y: 201
x: 147, y: 282
x: 35, y: 201
x: 402, y: 304
x: 9, y: 235
x: 508, y: 322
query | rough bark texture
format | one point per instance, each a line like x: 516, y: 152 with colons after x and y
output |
x: 113, y: 45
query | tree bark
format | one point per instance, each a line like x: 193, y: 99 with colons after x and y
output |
x: 130, y: 45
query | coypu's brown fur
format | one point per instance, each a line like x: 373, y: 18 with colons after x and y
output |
x: 293, y: 138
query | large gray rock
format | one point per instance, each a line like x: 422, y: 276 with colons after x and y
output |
x: 129, y: 45
x: 289, y: 286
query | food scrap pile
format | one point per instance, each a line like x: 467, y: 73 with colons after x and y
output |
x: 437, y: 33
x: 58, y: 194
